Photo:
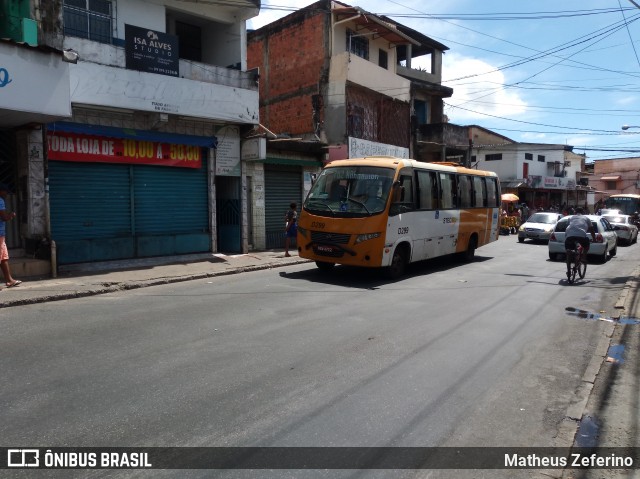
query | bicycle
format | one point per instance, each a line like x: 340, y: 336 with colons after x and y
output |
x: 576, y: 263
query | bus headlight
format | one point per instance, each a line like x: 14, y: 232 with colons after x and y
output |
x: 303, y: 231
x: 367, y: 237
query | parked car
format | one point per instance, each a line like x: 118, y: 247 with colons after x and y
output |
x: 538, y: 226
x: 606, y: 243
x: 625, y: 229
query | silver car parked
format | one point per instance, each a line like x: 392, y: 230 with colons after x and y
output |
x: 605, y: 245
x: 625, y: 229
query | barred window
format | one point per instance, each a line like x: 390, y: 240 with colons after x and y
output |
x: 90, y: 19
x: 357, y: 44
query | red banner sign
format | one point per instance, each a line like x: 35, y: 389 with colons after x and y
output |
x: 88, y: 149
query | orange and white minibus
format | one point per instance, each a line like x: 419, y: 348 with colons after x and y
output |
x: 388, y: 212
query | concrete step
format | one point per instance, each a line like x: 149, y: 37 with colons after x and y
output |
x: 23, y: 267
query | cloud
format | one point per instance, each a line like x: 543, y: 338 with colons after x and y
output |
x: 627, y: 100
x: 485, y: 93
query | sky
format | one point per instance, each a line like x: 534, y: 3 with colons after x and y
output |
x: 545, y: 71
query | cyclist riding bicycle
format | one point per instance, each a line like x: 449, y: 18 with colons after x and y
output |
x: 576, y: 232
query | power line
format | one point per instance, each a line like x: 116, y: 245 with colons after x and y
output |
x: 630, y: 38
x: 589, y: 130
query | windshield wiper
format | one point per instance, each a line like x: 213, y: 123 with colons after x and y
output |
x: 360, y: 203
x: 324, y: 204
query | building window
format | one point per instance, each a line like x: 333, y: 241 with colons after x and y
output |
x: 610, y: 185
x: 91, y: 19
x: 383, y: 59
x: 542, y: 158
x: 493, y: 157
x: 357, y: 44
x: 528, y: 156
x: 190, y: 38
x: 421, y: 109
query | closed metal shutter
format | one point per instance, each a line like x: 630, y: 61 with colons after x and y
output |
x: 90, y: 211
x: 104, y: 211
x: 283, y: 185
x: 171, y: 210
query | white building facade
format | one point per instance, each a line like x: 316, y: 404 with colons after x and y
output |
x: 143, y: 155
x: 542, y: 175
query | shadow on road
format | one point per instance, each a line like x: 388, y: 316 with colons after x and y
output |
x: 372, y: 278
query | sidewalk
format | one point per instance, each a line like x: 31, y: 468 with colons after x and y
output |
x: 107, y: 277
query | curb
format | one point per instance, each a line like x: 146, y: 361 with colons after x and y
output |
x: 124, y: 286
x: 576, y: 411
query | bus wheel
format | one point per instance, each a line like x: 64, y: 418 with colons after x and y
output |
x: 398, y: 264
x: 324, y: 266
x: 470, y: 253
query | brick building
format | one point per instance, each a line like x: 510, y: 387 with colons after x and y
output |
x: 339, y: 82
x: 615, y: 176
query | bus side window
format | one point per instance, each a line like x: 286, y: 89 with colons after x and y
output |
x: 403, y: 194
x: 492, y: 192
x: 406, y: 198
x: 464, y: 191
x: 448, y: 199
x: 479, y: 192
x: 427, y: 190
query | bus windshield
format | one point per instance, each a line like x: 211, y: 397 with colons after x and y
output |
x: 627, y: 204
x: 350, y: 191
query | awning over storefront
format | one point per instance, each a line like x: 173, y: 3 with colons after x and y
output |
x: 131, y: 134
x: 610, y: 178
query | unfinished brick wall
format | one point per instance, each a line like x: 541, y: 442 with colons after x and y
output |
x: 293, y: 61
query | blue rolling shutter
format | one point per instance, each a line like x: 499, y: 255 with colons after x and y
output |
x: 90, y: 211
x: 171, y: 210
x: 103, y: 211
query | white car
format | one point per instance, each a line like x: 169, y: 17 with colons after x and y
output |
x: 605, y: 245
x: 625, y: 229
x: 606, y: 212
x: 538, y: 226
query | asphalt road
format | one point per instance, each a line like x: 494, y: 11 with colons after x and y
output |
x: 480, y: 354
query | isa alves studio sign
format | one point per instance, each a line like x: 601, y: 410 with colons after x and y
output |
x: 151, y: 51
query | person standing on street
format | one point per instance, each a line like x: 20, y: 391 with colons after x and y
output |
x: 291, y: 228
x: 4, y: 253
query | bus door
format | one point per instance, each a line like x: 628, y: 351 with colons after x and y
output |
x: 428, y: 201
x: 447, y: 218
x: 402, y: 225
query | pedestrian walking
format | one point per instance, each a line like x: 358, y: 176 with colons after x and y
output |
x: 4, y: 252
x: 291, y: 227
